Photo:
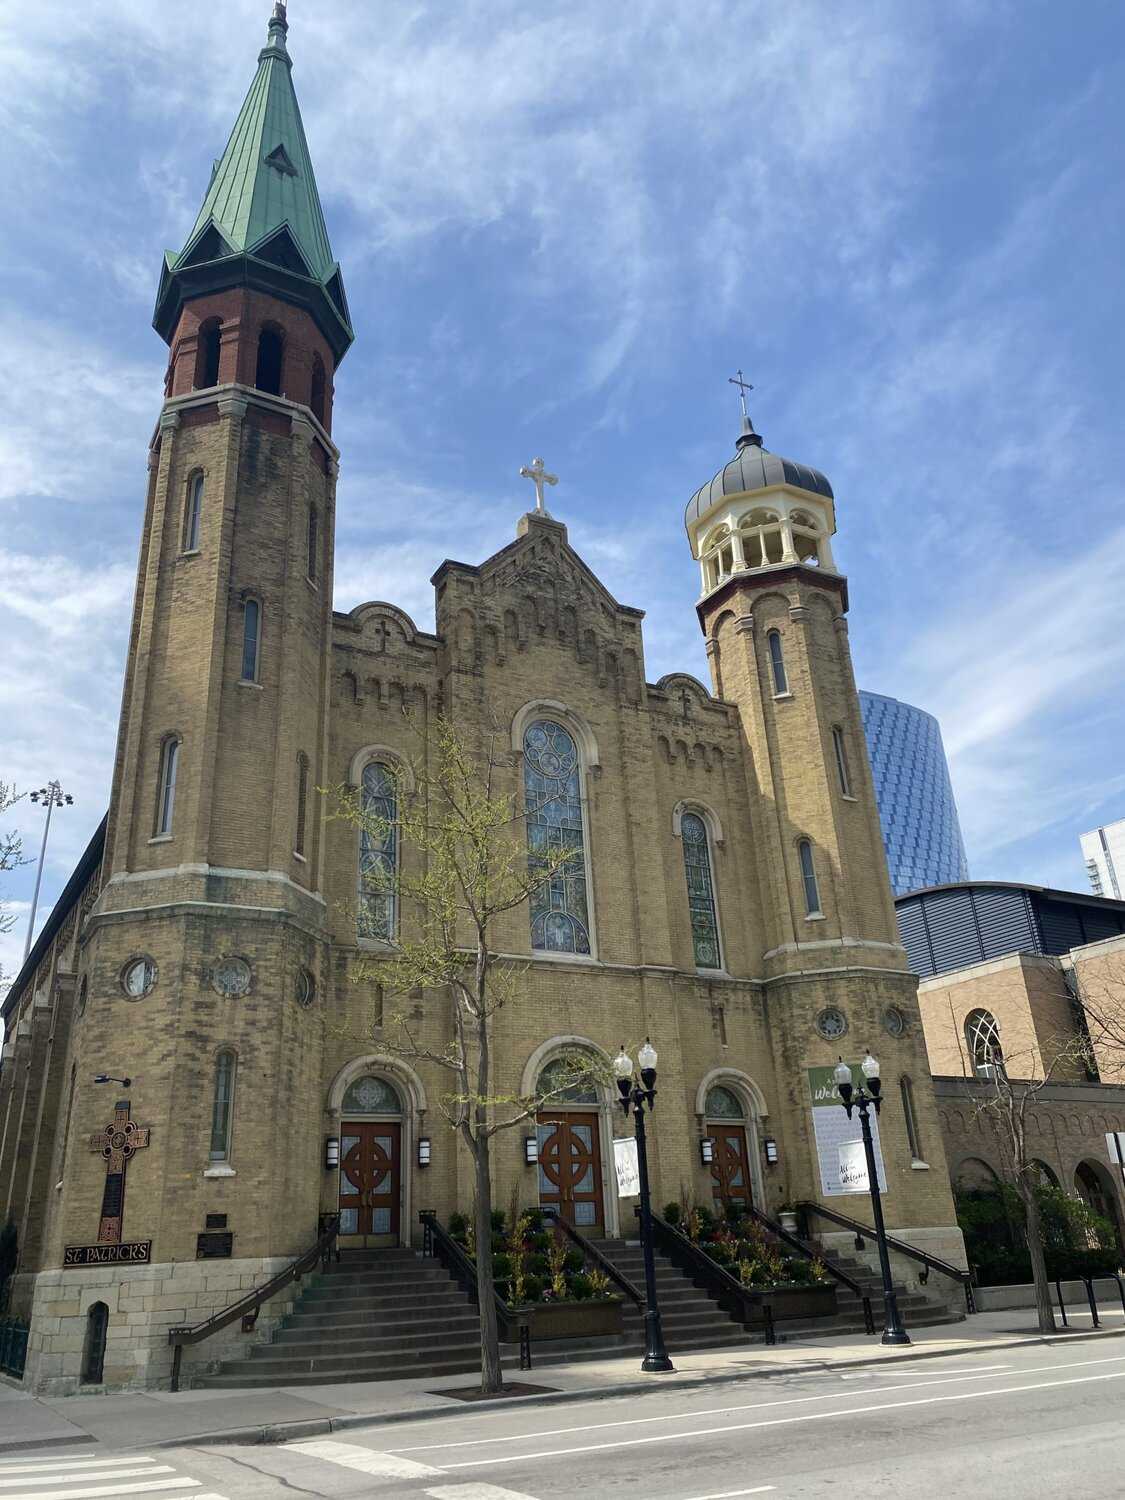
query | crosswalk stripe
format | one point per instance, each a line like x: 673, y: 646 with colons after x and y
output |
x: 129, y: 1472
x: 60, y: 1466
x: 350, y: 1456
x: 95, y: 1492
x: 476, y: 1492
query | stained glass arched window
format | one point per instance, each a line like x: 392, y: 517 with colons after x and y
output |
x: 378, y: 854
x: 372, y: 1096
x: 558, y: 1079
x: 724, y: 1104
x: 701, y: 892
x: 560, y: 915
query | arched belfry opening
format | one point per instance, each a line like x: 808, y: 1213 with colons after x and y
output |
x: 207, y: 354
x: 318, y: 391
x: 271, y: 357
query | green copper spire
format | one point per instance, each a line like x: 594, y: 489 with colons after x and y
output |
x: 262, y: 207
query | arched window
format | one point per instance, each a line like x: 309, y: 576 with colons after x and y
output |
x: 556, y: 1084
x: 701, y: 892
x: 371, y: 1096
x: 222, y: 1106
x: 251, y: 640
x: 718, y: 556
x: 166, y: 795
x: 914, y: 1139
x: 302, y: 802
x: 207, y: 354
x: 982, y: 1035
x: 777, y: 662
x: 312, y: 544
x: 724, y: 1104
x: 552, y: 780
x: 761, y: 538
x: 271, y: 353
x: 193, y: 512
x: 808, y: 878
x: 93, y: 1349
x: 378, y: 853
x: 806, y: 537
x: 319, y: 384
x: 841, y: 761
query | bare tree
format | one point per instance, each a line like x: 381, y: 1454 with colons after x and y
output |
x: 1005, y: 1103
x: 1097, y: 988
x: 11, y: 854
x: 464, y: 864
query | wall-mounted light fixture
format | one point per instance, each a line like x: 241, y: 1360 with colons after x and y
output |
x: 706, y: 1150
x: 769, y: 1145
x: 530, y: 1149
x: 423, y: 1151
x: 331, y: 1153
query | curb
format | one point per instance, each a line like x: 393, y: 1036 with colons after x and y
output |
x: 283, y: 1432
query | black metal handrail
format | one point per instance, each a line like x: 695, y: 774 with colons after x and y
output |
x: 812, y: 1252
x: 911, y: 1252
x: 1088, y: 1283
x: 438, y: 1242
x: 592, y: 1253
x: 248, y: 1307
x: 730, y: 1294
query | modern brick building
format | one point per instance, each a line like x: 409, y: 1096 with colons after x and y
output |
x: 731, y: 899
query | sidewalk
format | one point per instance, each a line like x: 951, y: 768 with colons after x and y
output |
x: 145, y: 1419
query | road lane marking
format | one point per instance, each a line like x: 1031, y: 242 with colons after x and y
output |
x: 95, y: 1492
x: 812, y: 1416
x: 760, y: 1489
x: 129, y: 1471
x: 476, y: 1492
x: 59, y: 1465
x: 351, y: 1456
x: 723, y: 1411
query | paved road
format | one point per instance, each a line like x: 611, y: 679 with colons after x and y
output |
x: 1045, y: 1421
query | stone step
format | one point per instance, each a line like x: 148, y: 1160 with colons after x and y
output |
x: 422, y: 1327
x: 450, y: 1295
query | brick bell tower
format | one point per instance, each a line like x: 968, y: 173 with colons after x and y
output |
x: 773, y: 609
x: 205, y: 966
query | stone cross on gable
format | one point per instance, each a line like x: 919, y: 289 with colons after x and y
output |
x: 538, y: 475
x: 117, y: 1143
x: 685, y: 702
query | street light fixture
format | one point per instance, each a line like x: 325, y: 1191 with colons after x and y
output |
x: 863, y: 1099
x: 126, y: 1083
x: 51, y: 796
x: 635, y: 1094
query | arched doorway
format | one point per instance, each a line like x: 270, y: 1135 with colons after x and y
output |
x: 1096, y: 1190
x: 370, y: 1163
x: 569, y: 1133
x: 731, y: 1162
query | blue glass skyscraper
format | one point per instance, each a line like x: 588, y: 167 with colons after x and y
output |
x: 921, y: 830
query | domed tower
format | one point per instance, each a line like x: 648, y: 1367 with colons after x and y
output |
x: 773, y: 609
x: 205, y: 954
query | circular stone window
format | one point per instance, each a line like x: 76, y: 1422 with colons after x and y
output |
x: 894, y: 1022
x: 138, y: 977
x: 832, y: 1024
x: 231, y: 976
x: 306, y: 988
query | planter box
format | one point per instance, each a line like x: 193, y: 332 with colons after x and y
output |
x: 598, y: 1317
x: 801, y: 1301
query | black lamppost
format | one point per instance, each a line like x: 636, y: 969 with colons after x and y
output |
x: 862, y: 1099
x: 635, y: 1095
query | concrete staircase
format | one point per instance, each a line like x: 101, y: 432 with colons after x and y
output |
x: 689, y: 1316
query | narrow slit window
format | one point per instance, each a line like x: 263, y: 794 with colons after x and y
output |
x: 302, y: 802
x: 313, y: 543
x: 777, y: 662
x: 222, y: 1107
x: 842, y: 761
x: 808, y: 877
x: 166, y: 801
x: 317, y: 393
x: 193, y: 513
x: 251, y: 632
x: 906, y: 1088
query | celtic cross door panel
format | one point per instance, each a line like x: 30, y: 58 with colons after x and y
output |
x: 570, y: 1167
x: 370, y: 1182
x: 730, y: 1166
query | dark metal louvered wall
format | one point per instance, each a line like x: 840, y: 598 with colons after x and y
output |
x: 953, y: 926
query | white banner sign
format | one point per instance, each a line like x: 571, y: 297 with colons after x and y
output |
x: 628, y: 1172
x: 853, y: 1168
x: 1115, y: 1142
x: 832, y: 1130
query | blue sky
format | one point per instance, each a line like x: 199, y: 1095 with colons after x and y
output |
x: 562, y: 228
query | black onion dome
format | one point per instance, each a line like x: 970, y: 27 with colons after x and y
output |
x: 754, y: 468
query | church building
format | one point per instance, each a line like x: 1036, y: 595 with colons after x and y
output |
x: 186, y: 1048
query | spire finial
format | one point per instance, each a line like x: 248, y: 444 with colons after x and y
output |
x: 536, y: 471
x: 747, y: 435
x: 278, y: 31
